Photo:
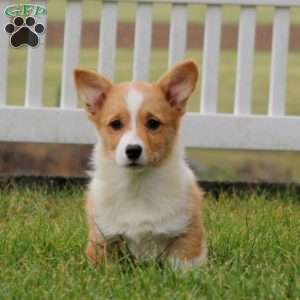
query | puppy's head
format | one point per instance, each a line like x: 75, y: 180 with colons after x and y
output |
x: 137, y: 122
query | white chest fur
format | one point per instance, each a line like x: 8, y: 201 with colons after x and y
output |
x: 146, y: 207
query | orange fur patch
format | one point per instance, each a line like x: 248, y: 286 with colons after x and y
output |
x: 192, y: 243
x: 164, y: 100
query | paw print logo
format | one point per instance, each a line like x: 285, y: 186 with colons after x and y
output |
x: 24, y: 32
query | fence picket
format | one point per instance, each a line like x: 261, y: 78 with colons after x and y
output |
x: 245, y: 61
x: 178, y: 30
x: 211, y: 54
x: 3, y: 52
x: 71, y: 53
x: 280, y: 48
x: 142, y: 42
x: 108, y: 39
x: 35, y: 69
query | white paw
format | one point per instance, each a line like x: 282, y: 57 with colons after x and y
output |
x: 186, y: 265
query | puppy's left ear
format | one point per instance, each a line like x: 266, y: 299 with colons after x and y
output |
x: 179, y: 83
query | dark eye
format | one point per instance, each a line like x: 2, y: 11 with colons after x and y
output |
x: 116, y: 124
x: 153, y: 124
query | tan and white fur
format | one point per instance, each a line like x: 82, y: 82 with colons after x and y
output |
x: 141, y: 186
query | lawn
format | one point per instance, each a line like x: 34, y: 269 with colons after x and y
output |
x: 254, y: 251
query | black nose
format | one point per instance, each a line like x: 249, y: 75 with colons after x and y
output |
x: 133, y: 151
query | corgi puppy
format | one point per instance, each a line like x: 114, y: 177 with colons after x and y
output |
x: 142, y: 192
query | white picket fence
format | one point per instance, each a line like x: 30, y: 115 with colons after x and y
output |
x: 205, y: 129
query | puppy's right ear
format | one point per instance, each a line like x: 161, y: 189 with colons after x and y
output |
x: 92, y: 88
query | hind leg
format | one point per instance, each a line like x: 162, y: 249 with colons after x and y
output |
x: 189, y: 250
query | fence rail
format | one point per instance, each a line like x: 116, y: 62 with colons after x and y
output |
x: 207, y: 128
x: 277, y: 3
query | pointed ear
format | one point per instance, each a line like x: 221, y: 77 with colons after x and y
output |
x: 92, y: 88
x: 179, y: 82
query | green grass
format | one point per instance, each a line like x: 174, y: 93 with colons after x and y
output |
x: 254, y: 252
x: 161, y: 12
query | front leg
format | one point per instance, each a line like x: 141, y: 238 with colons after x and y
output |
x: 97, y: 247
x: 190, y: 248
x: 98, y: 250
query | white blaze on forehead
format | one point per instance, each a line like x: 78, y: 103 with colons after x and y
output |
x: 134, y: 100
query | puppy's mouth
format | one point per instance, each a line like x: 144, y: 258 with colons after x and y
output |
x: 134, y: 165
